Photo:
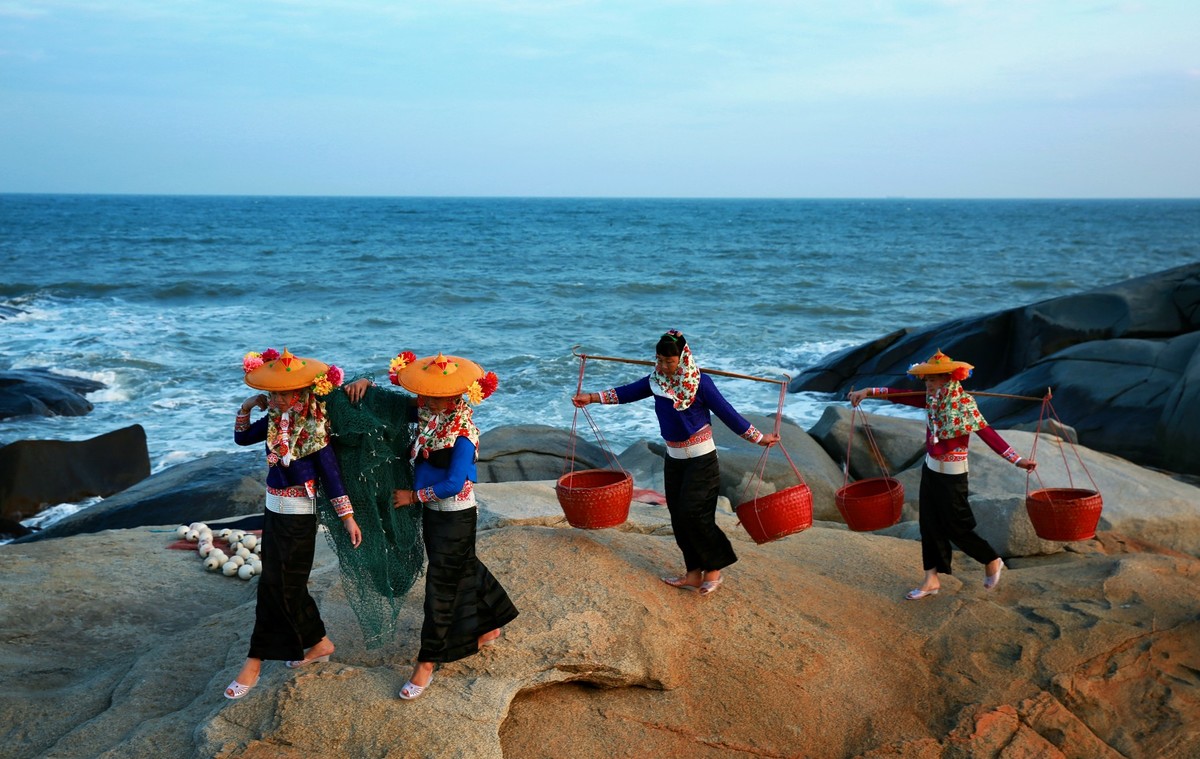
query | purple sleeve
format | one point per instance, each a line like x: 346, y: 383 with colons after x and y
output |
x: 634, y: 391
x: 255, y: 433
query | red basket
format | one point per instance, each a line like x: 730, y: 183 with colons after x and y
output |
x: 871, y: 504
x: 595, y: 498
x: 777, y: 515
x: 1064, y: 514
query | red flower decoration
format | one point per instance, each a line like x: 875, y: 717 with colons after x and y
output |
x: 270, y: 354
x: 488, y: 383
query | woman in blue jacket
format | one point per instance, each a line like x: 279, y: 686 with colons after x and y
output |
x: 683, y: 400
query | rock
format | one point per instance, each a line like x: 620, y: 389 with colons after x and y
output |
x: 213, y: 487
x: 1122, y: 362
x: 35, y: 474
x: 39, y: 392
x: 741, y: 462
x: 1078, y: 654
x: 533, y: 452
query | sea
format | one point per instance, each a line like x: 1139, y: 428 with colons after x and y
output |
x: 159, y: 297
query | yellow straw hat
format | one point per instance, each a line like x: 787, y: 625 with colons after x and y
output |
x: 441, y: 376
x: 940, y: 363
x: 278, y: 372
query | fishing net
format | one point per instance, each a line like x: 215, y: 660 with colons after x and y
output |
x: 372, y: 441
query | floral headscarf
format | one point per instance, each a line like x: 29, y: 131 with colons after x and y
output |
x: 682, y: 386
x: 438, y: 431
x: 298, y: 430
x: 952, y: 412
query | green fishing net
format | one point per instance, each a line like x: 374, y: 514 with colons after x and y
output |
x: 372, y: 441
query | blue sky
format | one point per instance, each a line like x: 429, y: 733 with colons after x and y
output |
x: 647, y: 98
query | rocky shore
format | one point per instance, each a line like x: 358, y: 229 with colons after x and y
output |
x: 1086, y: 649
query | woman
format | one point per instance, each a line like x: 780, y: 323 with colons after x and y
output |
x: 465, y: 606
x: 945, y: 513
x: 287, y: 624
x: 683, y: 400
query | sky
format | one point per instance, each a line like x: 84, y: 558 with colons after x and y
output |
x: 602, y: 98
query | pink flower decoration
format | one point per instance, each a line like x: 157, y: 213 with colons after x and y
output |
x: 335, y: 375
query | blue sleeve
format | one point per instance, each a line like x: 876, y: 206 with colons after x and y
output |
x: 634, y: 391
x: 462, y: 465
x: 329, y: 474
x: 718, y: 405
x: 255, y: 433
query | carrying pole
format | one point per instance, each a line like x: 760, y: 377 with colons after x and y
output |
x: 717, y: 372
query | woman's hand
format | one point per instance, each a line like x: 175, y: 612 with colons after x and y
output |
x: 583, y: 399
x: 769, y: 439
x: 402, y: 498
x: 1027, y: 464
x: 357, y: 389
x: 856, y: 396
x: 253, y: 401
x: 352, y: 528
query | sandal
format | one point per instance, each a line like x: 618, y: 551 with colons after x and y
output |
x: 411, y: 690
x: 236, y: 690
x: 708, y: 587
x: 990, y: 581
x: 917, y: 594
x: 293, y: 663
x: 679, y: 582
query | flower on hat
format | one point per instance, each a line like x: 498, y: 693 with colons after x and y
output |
x: 402, y: 359
x: 270, y: 354
x: 251, y: 361
x: 482, y: 388
x: 327, y: 380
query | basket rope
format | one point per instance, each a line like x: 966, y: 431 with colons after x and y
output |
x: 761, y: 468
x: 569, y: 461
x: 873, y: 446
x: 1047, y: 406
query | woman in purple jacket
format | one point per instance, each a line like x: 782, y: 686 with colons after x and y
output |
x: 683, y: 401
x: 287, y: 624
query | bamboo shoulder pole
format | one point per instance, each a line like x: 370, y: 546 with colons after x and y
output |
x: 911, y: 393
x: 642, y: 362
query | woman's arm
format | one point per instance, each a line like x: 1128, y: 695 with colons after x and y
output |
x: 634, y: 391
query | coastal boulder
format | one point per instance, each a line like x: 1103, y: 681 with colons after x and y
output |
x: 35, y: 474
x: 533, y: 452
x: 1114, y: 358
x: 39, y: 392
x: 216, y: 486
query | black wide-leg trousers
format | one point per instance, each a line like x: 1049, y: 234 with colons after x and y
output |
x: 462, y: 598
x: 286, y: 619
x: 946, y: 518
x: 692, y: 487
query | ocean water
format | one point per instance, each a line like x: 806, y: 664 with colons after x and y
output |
x: 159, y: 297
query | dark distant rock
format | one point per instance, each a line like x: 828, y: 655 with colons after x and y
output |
x: 214, y: 487
x: 38, y: 392
x: 1123, y: 362
x: 533, y: 452
x: 35, y: 474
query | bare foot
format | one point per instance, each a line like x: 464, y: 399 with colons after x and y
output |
x: 323, y: 647
x: 692, y: 579
x: 489, y: 637
x: 422, y: 673
x: 250, y: 672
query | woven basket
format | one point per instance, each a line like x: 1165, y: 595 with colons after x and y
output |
x: 777, y: 515
x: 871, y: 504
x: 1064, y: 514
x: 595, y: 498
